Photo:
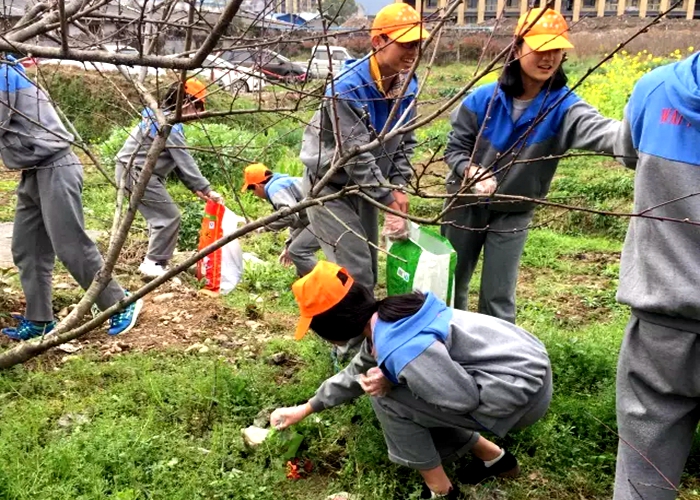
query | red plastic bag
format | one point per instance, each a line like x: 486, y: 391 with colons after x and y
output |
x: 209, y: 268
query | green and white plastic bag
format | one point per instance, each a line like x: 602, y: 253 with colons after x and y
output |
x: 425, y: 261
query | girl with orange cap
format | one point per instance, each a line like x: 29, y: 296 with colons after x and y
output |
x: 156, y: 206
x: 500, y: 143
x: 436, y: 375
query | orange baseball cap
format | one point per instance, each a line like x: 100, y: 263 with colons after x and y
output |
x: 254, y: 174
x: 550, y: 32
x: 318, y: 291
x: 400, y: 22
x: 196, y: 89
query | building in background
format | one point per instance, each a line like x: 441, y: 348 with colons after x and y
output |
x: 478, y: 11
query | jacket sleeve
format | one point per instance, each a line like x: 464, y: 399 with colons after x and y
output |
x: 343, y: 386
x: 437, y: 379
x: 186, y: 168
x: 584, y: 127
x: 461, y: 139
x: 401, y: 171
x: 625, y: 149
x: 348, y: 122
x: 283, y: 198
x: 8, y: 99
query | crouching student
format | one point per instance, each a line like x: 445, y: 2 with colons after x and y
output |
x: 436, y: 376
x: 156, y: 206
x: 281, y: 190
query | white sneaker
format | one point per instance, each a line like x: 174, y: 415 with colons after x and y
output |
x: 152, y: 269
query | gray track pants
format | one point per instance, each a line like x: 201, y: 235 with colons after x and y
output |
x: 421, y: 436
x: 161, y: 214
x: 336, y: 226
x: 502, y: 251
x: 658, y: 407
x: 341, y: 244
x: 302, y: 250
x: 48, y: 224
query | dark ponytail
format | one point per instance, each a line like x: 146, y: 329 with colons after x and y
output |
x: 511, y: 79
x: 399, y: 307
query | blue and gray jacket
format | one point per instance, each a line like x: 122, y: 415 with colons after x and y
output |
x: 360, y: 112
x: 31, y: 133
x: 660, y: 138
x: 285, y: 191
x: 175, y: 158
x: 460, y: 362
x: 569, y: 124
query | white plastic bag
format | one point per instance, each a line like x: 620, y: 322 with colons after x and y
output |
x: 231, y: 254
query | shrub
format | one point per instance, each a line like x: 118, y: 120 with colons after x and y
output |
x: 92, y: 103
x: 222, y: 151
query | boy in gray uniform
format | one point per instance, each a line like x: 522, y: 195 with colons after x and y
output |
x: 282, y: 191
x: 157, y: 207
x: 658, y: 375
x: 365, y: 92
x: 356, y: 108
x: 49, y: 217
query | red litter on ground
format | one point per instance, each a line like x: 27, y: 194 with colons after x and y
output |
x: 299, y: 468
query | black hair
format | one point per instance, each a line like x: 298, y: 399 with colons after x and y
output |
x: 511, y: 80
x: 170, y: 99
x: 348, y: 319
x: 268, y: 176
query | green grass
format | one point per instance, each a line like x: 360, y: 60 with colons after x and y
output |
x: 168, y: 425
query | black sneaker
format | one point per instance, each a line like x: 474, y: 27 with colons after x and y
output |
x: 452, y: 495
x: 476, y: 472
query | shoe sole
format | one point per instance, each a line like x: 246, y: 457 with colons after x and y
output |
x: 137, y: 312
x: 510, y: 474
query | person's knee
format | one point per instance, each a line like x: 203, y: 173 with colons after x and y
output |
x: 173, y: 218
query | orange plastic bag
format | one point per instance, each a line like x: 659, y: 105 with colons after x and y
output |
x: 209, y: 268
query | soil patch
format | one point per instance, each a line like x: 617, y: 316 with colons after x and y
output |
x: 176, y: 316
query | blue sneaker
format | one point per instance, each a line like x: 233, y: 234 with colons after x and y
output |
x: 28, y: 329
x: 124, y: 321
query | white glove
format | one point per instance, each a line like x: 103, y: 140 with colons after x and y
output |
x: 214, y: 196
x: 395, y: 227
x: 487, y: 181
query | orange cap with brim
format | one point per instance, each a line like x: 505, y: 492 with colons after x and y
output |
x: 318, y: 291
x: 400, y: 22
x: 196, y: 89
x: 550, y: 32
x: 254, y: 174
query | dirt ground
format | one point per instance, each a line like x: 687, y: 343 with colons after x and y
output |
x: 176, y: 316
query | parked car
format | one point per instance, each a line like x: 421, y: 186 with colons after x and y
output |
x: 320, y: 63
x: 232, y: 78
x: 272, y: 65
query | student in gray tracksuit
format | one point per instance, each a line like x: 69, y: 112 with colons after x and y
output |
x: 503, y: 116
x: 49, y: 217
x: 281, y: 191
x: 157, y: 207
x: 658, y: 374
x: 437, y: 376
x: 355, y: 109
